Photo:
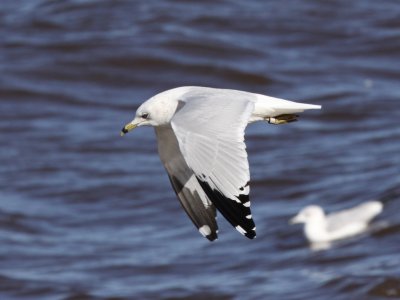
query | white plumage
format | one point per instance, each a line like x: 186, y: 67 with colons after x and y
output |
x: 200, y: 133
x: 321, y: 228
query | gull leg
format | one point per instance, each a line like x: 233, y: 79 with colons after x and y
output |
x: 282, y: 119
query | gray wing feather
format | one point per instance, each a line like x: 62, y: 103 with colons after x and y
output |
x: 209, y: 128
x: 190, y: 194
x: 362, y: 213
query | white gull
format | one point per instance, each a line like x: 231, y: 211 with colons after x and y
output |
x: 200, y: 135
x: 322, y: 228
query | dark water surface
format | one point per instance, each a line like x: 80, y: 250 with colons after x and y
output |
x: 85, y: 214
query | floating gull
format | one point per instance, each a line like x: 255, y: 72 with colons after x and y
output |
x: 200, y: 134
x: 321, y: 228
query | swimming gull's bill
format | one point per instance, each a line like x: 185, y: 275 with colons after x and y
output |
x: 322, y: 228
x: 200, y: 135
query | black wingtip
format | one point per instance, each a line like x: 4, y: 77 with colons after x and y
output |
x: 208, y: 233
x: 251, y: 235
x: 236, y: 212
x: 212, y: 238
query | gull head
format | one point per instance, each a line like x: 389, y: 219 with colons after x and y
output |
x: 312, y: 213
x: 157, y: 111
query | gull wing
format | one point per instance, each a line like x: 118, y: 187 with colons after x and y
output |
x: 190, y: 194
x: 362, y: 213
x: 210, y: 128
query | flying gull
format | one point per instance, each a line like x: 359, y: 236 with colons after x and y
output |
x: 200, y: 135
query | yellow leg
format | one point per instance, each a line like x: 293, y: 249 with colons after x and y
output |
x: 282, y: 119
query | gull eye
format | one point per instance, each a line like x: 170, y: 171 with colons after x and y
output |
x: 145, y: 115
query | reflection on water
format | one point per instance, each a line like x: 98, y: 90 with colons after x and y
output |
x: 85, y: 214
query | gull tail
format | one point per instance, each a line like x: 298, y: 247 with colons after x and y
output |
x: 284, y: 111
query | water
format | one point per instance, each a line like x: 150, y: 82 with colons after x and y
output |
x: 85, y: 214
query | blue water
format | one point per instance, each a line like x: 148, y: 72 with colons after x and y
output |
x: 85, y: 214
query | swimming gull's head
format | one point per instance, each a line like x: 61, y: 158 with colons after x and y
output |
x: 311, y: 213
